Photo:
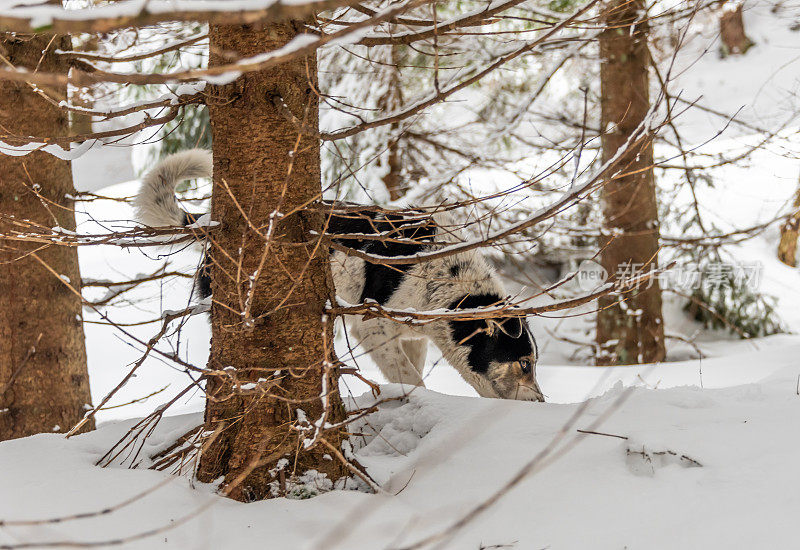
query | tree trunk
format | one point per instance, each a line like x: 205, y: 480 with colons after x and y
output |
x: 787, y: 248
x: 268, y: 319
x: 392, y: 101
x: 44, y: 384
x: 731, y: 31
x: 629, y: 326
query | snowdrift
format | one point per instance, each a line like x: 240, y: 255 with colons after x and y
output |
x: 682, y: 467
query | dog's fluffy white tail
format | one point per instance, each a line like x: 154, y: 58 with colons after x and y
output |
x: 156, y: 204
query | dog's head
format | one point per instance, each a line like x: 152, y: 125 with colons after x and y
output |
x: 499, y: 354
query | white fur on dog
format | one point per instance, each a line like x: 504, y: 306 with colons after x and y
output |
x: 156, y: 204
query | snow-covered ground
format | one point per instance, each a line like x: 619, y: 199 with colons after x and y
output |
x: 761, y: 87
x: 698, y: 453
x: 682, y: 468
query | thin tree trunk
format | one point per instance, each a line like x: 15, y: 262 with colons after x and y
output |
x: 629, y: 327
x: 392, y: 101
x: 731, y: 31
x: 44, y: 384
x: 268, y: 320
x: 787, y: 247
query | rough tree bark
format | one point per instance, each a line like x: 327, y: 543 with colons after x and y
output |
x: 44, y: 384
x: 276, y: 331
x: 787, y: 247
x: 629, y: 327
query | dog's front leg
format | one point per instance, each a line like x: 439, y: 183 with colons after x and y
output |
x: 381, y: 338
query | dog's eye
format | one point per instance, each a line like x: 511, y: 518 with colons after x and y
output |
x: 525, y: 365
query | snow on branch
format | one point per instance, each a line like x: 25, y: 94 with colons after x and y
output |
x: 22, y: 230
x: 473, y: 18
x: 184, y: 95
x: 444, y: 94
x: 72, y: 147
x: 412, y: 317
x: 23, y: 17
x: 86, y: 56
x: 568, y: 199
x: 300, y: 46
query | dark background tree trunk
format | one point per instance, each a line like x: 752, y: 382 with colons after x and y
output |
x: 44, y: 383
x: 631, y: 331
x: 259, y: 158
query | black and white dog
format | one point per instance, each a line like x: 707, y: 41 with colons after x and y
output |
x: 497, y: 357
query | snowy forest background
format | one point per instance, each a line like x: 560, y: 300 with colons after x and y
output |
x: 694, y: 451
x: 756, y: 89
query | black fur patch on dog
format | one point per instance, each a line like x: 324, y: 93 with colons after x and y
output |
x: 381, y: 281
x: 203, y: 282
x: 499, y: 346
